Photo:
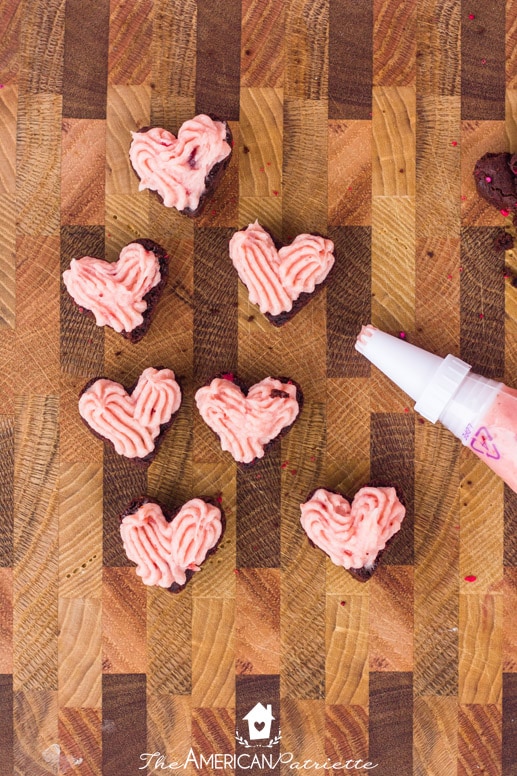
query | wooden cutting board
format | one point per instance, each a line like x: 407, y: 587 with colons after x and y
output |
x: 358, y: 119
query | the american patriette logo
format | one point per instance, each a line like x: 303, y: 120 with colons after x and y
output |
x: 259, y: 720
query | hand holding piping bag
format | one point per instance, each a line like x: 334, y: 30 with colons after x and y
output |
x: 482, y: 413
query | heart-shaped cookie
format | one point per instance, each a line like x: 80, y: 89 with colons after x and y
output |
x: 246, y: 423
x: 182, y: 170
x: 280, y: 281
x: 169, y: 549
x: 133, y: 421
x: 123, y: 293
x: 353, y: 534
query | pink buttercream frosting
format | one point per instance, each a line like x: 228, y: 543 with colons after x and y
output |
x: 245, y: 424
x: 131, y: 421
x: 114, y: 291
x: 275, y: 279
x: 352, y: 534
x: 163, y: 551
x: 176, y: 167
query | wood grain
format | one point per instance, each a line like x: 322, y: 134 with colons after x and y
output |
x: 358, y: 121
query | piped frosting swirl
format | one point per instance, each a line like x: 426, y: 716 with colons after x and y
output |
x: 352, y: 535
x: 176, y: 167
x: 164, y: 551
x: 276, y: 279
x: 114, y: 291
x: 245, y: 424
x: 132, y: 422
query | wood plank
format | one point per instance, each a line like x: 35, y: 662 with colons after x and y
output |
x: 346, y: 730
x: 10, y: 31
x: 85, y: 60
x: 306, y: 75
x: 80, y: 740
x: 510, y: 630
x: 169, y: 718
x: 129, y: 53
x: 435, y: 734
x: 82, y: 176
x: 128, y: 109
x: 348, y: 301
x: 479, y: 739
x: 480, y: 648
x: 169, y: 638
x: 36, y: 748
x: 213, y: 646
x: 7, y: 262
x: 349, y: 172
x: 6, y: 728
x: 346, y: 674
x: 261, y: 136
x: 393, y: 131
x: 218, y: 59
x: 483, y: 62
x: 123, y: 480
x: 262, y: 43
x: 41, y: 48
x: 250, y: 690
x: 257, y: 611
x: 79, y: 653
x: 438, y: 47
x: 394, y: 43
x: 390, y: 721
x: 7, y: 439
x: 35, y: 537
x: 124, y: 609
x: 258, y: 505
x: 391, y: 626
x: 124, y: 731
x: 350, y: 59
x: 509, y: 724
x: 6, y: 621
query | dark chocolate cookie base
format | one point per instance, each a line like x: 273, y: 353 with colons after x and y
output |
x: 149, y: 458
x: 169, y: 515
x: 500, y: 189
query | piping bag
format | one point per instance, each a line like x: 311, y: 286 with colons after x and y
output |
x: 481, y: 412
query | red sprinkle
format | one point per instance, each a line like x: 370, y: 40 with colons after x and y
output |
x: 284, y: 465
x: 275, y: 193
x: 481, y: 316
x: 402, y: 334
x: 219, y: 499
x: 449, y: 277
x: 228, y: 376
x: 342, y: 603
x: 268, y: 164
x: 262, y: 169
x: 406, y: 409
x: 488, y: 179
x: 470, y: 578
x: 504, y: 213
x: 483, y: 61
x: 236, y: 571
x: 454, y: 143
x: 471, y: 16
x: 293, y: 471
x: 464, y: 198
x: 349, y: 188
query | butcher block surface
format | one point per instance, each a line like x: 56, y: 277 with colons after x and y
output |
x: 360, y: 120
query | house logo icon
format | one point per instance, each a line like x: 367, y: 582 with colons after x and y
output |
x: 259, y: 721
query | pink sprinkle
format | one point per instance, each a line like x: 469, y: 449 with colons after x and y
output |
x: 504, y: 213
x: 488, y: 179
x: 313, y: 457
x: 483, y: 61
x: 454, y: 143
x: 471, y: 16
x: 1, y: 86
x: 470, y: 578
x: 258, y: 476
x: 481, y: 316
x: 402, y: 334
x: 219, y: 499
x: 262, y: 169
x: 406, y: 409
x: 463, y: 199
x: 460, y: 269
x: 449, y: 277
x: 349, y: 188
x: 236, y: 571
